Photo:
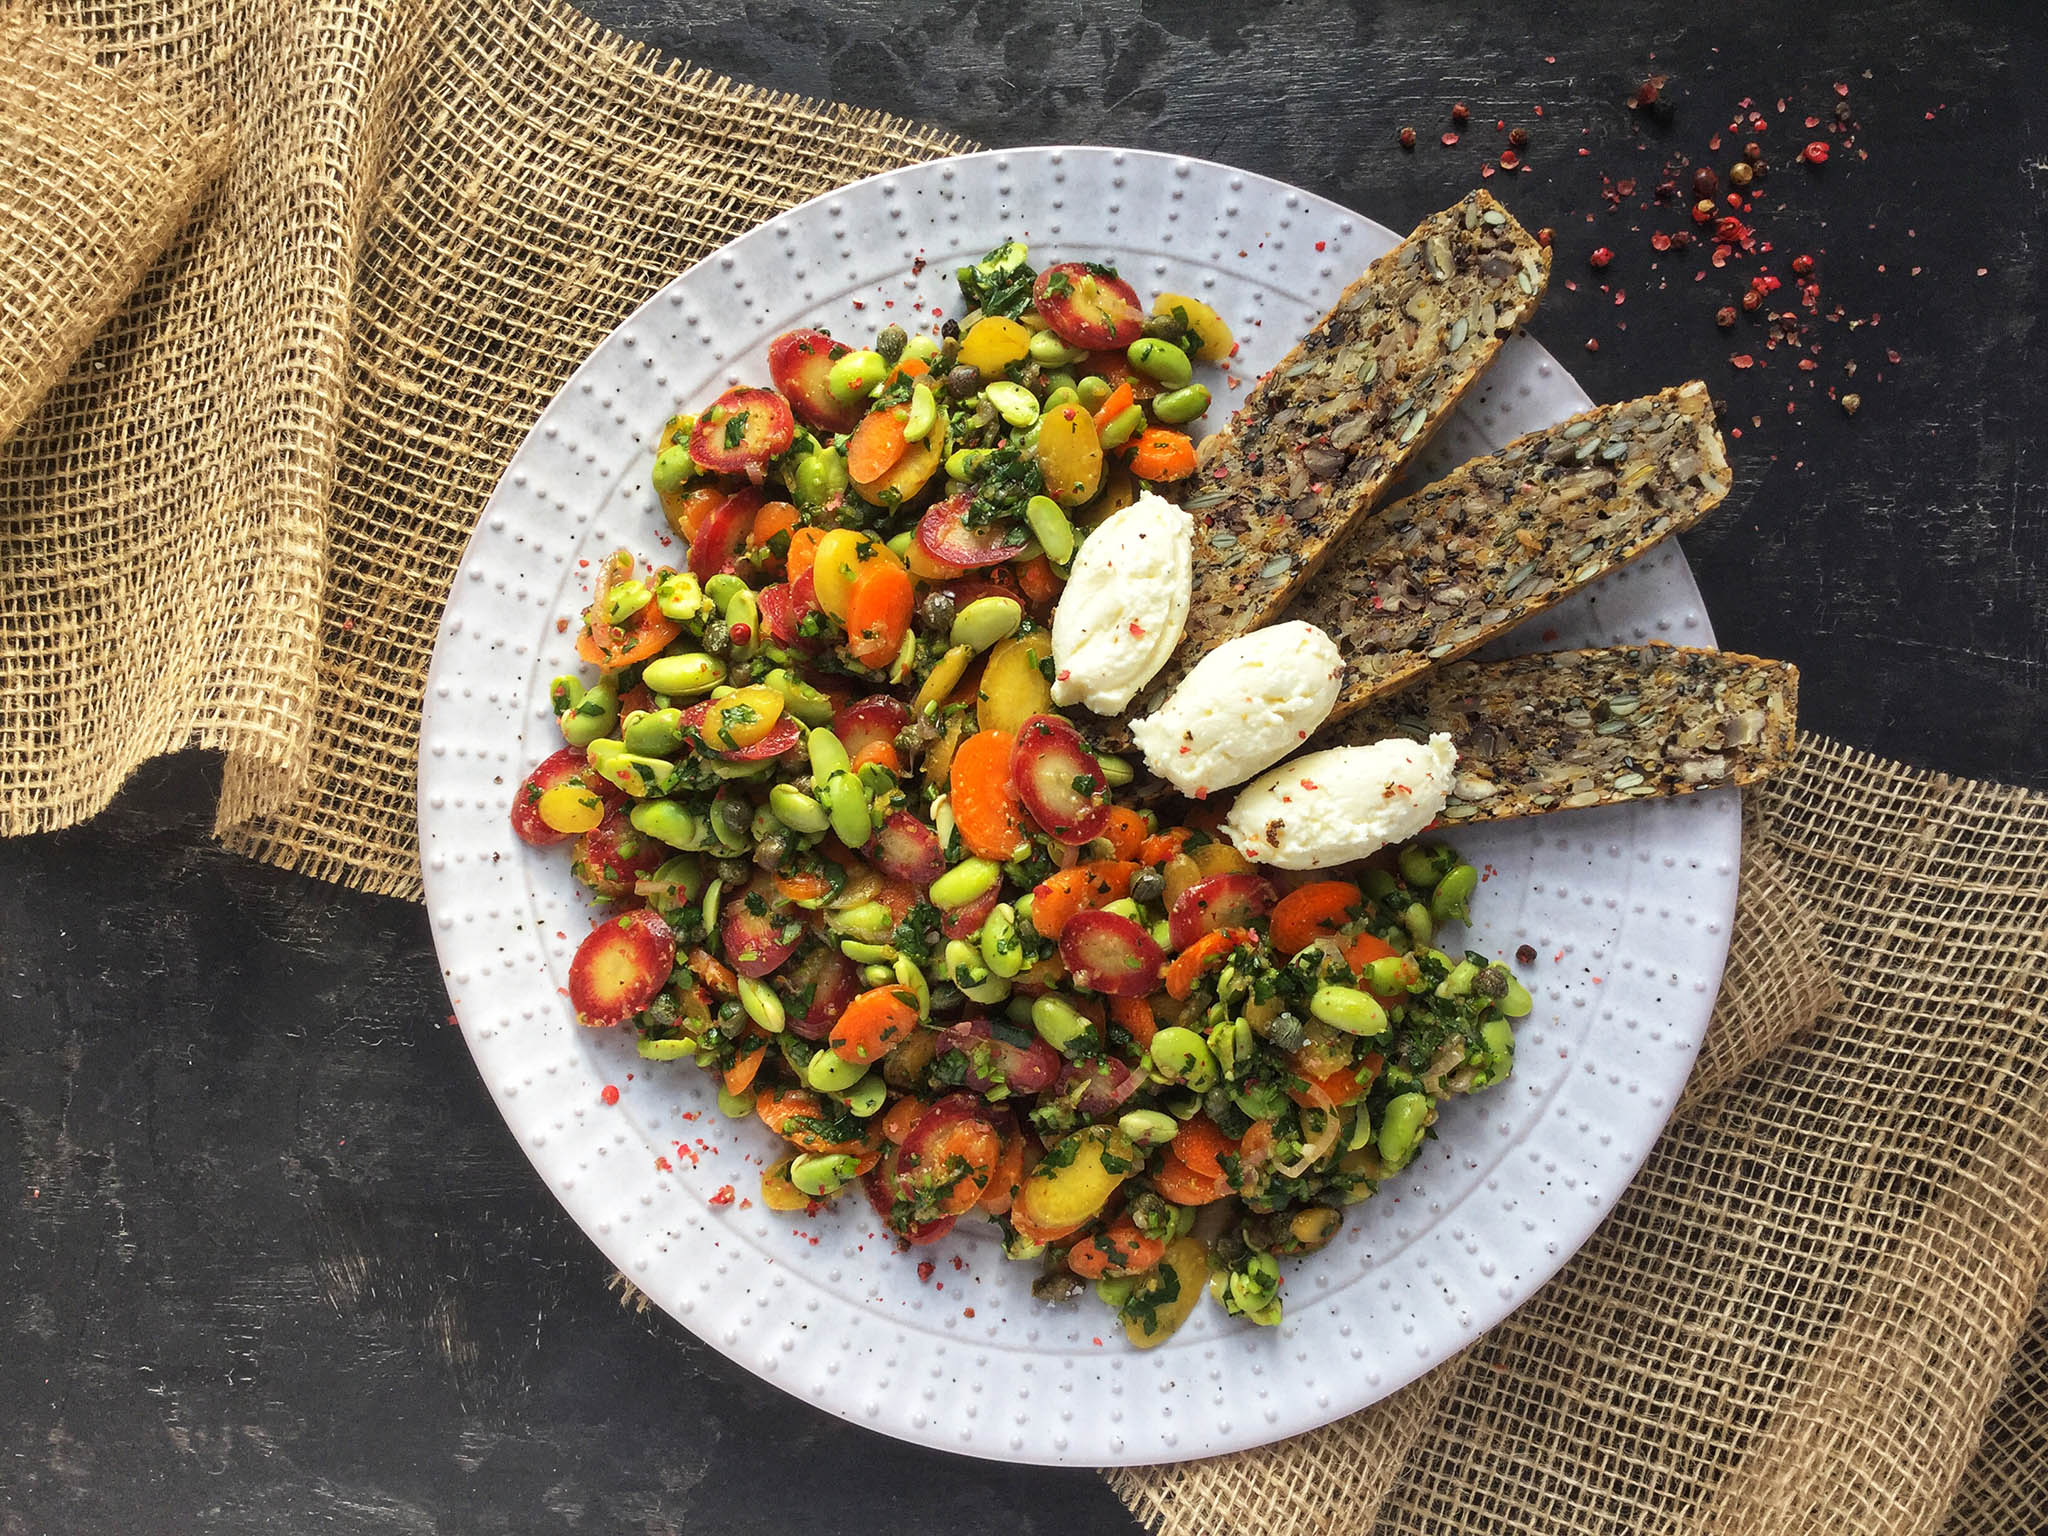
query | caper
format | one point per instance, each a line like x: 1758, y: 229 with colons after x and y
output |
x: 731, y: 871
x: 963, y: 381
x: 740, y: 675
x: 890, y: 342
x: 1163, y: 328
x: 718, y: 638
x: 1148, y: 885
x: 771, y: 849
x: 950, y: 331
x: 936, y: 612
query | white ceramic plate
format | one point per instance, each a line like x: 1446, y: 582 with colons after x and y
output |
x: 1628, y: 908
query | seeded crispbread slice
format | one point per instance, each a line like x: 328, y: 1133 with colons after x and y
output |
x: 1320, y: 438
x: 1567, y: 729
x: 1506, y: 536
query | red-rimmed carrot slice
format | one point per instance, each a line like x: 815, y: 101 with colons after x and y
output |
x: 873, y: 1023
x: 1059, y: 897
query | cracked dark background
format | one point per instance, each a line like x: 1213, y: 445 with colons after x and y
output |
x: 268, y: 1260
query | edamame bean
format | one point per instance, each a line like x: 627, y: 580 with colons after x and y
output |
x: 1051, y: 527
x: 911, y: 979
x: 1183, y: 404
x: 670, y: 822
x: 1061, y: 393
x: 1123, y: 906
x: 1093, y: 390
x: 943, y: 678
x: 564, y: 694
x: 1062, y: 1028
x: 965, y: 463
x: 870, y: 920
x: 798, y: 811
x: 1401, y: 1126
x: 1518, y: 1003
x: 713, y: 894
x: 873, y: 975
x: 735, y: 1106
x: 827, y: 753
x: 1378, y: 882
x: 819, y: 1174
x: 1459, y: 982
x: 1000, y: 948
x: 923, y: 346
x: 1115, y: 771
x: 1049, y: 351
x: 986, y: 620
x: 1361, y: 1130
x: 672, y: 466
x: 1123, y: 426
x: 1349, y: 1009
x: 922, y: 416
x: 1181, y: 1056
x: 681, y: 676
x: 820, y: 476
x: 1160, y: 360
x: 1451, y: 901
x: 846, y: 802
x: 1416, y: 920
x: 638, y: 776
x: 1498, y: 1036
x: 743, y: 617
x: 761, y: 1004
x: 1148, y: 1127
x: 964, y: 968
x: 594, y: 717
x: 1393, y: 973
x: 798, y: 697
x: 1013, y: 402
x: 678, y: 596
x: 665, y: 1050
x: 626, y: 598
x: 1423, y: 864
x: 653, y: 733
x: 969, y: 880
x: 1232, y: 1044
x: 829, y: 1072
x: 720, y: 589
x: 853, y: 377
x: 866, y: 1097
x: 861, y: 952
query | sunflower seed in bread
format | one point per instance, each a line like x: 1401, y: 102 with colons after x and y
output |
x: 1510, y: 534
x: 1320, y: 438
x: 1567, y: 729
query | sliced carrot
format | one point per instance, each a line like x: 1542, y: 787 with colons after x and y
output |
x: 1161, y: 846
x: 883, y: 752
x: 1125, y: 832
x: 1084, y: 888
x: 1312, y: 912
x: 803, y: 885
x: 1182, y: 1185
x: 984, y: 799
x: 872, y: 1023
x: 955, y: 1166
x: 795, y: 1114
x: 714, y: 973
x: 697, y: 506
x: 1186, y: 968
x: 910, y: 367
x: 739, y: 1077
x: 1253, y: 1147
x: 803, y: 550
x: 877, y: 443
x: 773, y: 518
x: 1007, y: 1178
x: 1200, y: 1143
x: 1039, y: 583
x: 1346, y: 1085
x: 902, y: 1118
x: 1163, y: 454
x: 611, y: 646
x: 1121, y: 1250
x: 1120, y: 400
x: 1361, y: 949
x: 878, y: 613
x: 1136, y: 1016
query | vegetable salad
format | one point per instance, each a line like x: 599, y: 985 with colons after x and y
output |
x: 859, y: 867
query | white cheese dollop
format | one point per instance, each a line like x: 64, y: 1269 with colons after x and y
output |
x: 1331, y: 807
x: 1125, y: 605
x: 1246, y: 705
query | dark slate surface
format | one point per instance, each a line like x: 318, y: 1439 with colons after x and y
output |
x: 268, y: 1261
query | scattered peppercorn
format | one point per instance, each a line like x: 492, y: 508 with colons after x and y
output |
x: 1545, y: 235
x: 1592, y: 345
x: 1752, y: 301
x: 1802, y: 264
x: 1851, y: 404
x: 1704, y: 182
x: 1448, y: 140
x: 1704, y: 211
x: 1753, y: 152
x: 1815, y: 153
x: 1681, y: 240
x: 1509, y: 160
x: 1724, y: 317
x: 1518, y: 138
x: 1601, y: 257
x: 1407, y: 138
x: 1460, y: 113
x: 1665, y: 191
x: 1739, y: 174
x: 1526, y: 955
x: 1841, y: 112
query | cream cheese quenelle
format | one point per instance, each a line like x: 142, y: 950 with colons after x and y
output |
x: 1331, y: 807
x: 1243, y: 707
x: 1125, y: 605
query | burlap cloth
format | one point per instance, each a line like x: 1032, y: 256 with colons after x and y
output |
x: 283, y: 282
